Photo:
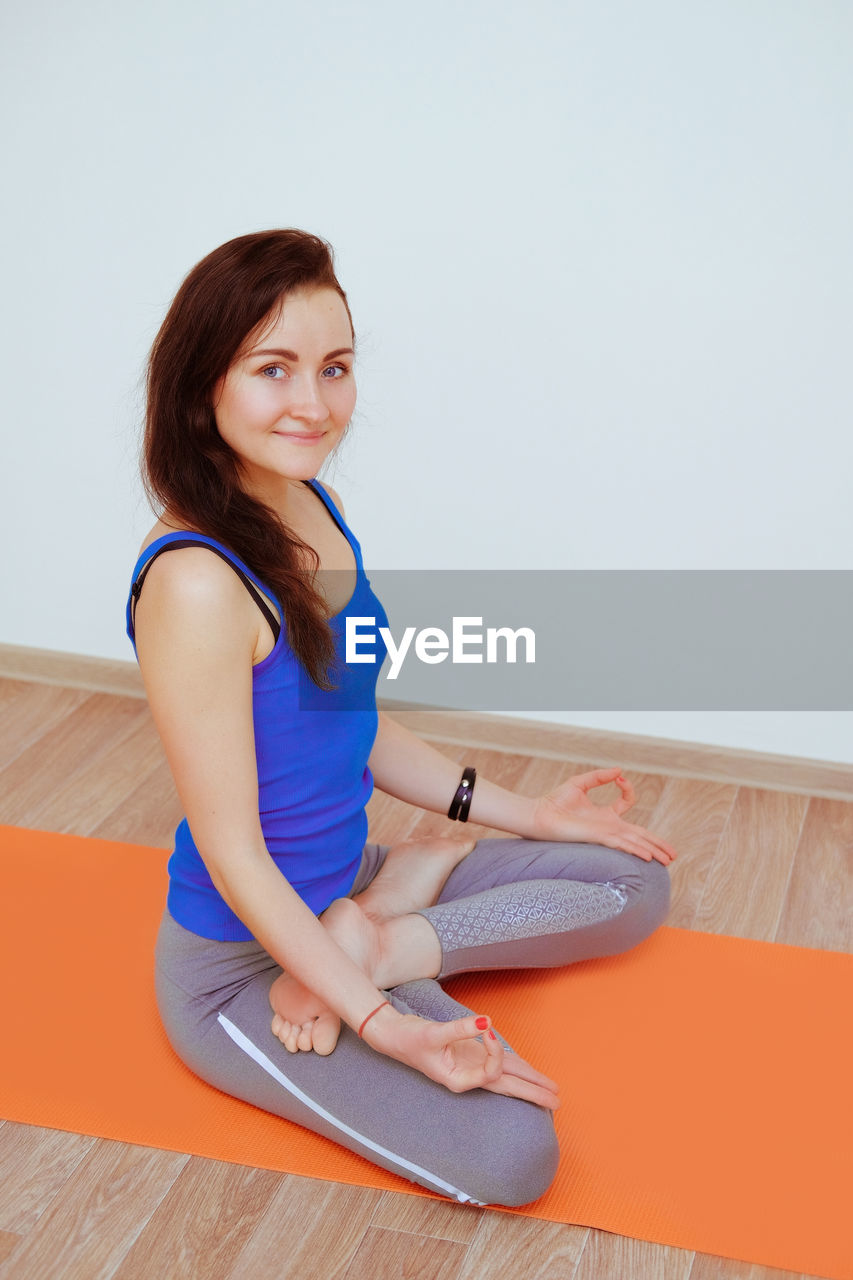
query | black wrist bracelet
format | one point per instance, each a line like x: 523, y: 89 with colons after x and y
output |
x: 461, y: 802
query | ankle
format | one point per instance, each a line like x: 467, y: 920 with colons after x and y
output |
x: 408, y: 949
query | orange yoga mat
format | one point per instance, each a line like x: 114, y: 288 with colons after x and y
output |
x: 707, y: 1080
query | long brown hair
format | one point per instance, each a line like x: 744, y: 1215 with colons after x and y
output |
x: 186, y: 465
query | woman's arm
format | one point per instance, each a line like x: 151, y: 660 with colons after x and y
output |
x: 194, y: 638
x: 407, y: 767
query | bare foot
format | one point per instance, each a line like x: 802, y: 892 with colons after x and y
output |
x: 302, y: 1022
x: 319, y: 1033
x: 388, y: 951
x: 412, y: 876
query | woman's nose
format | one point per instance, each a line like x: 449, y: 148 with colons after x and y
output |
x: 308, y: 402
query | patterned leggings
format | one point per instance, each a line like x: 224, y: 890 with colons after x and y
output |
x: 511, y: 903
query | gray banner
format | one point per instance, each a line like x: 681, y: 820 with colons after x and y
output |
x: 622, y: 640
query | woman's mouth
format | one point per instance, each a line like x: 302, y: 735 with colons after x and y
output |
x: 301, y: 437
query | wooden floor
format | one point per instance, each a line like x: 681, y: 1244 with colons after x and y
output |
x: 753, y: 862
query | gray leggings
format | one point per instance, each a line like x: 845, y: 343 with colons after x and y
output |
x: 510, y: 903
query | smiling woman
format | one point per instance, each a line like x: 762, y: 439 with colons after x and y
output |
x: 282, y: 419
x: 298, y: 966
x: 252, y: 295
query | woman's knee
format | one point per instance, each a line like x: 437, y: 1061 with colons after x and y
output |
x: 520, y: 1161
x: 657, y: 892
x: 648, y: 892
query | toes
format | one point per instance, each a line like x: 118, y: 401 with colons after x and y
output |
x: 320, y: 1034
x: 283, y: 1031
x: 286, y: 1032
x: 325, y: 1033
x: 303, y: 1039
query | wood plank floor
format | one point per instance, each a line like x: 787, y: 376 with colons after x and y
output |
x: 754, y: 863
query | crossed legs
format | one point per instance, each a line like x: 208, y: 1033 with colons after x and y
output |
x: 214, y: 1001
x: 376, y: 928
x: 434, y: 908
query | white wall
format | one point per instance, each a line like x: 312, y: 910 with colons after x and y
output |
x: 598, y: 254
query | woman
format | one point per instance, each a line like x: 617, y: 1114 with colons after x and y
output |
x: 298, y: 966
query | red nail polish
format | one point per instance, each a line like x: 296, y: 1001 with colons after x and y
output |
x: 492, y: 1034
x: 481, y: 1024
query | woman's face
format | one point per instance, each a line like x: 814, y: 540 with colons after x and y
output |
x: 287, y: 399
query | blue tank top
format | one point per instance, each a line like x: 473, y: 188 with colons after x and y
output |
x: 311, y: 747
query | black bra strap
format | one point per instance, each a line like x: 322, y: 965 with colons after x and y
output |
x: 136, y: 589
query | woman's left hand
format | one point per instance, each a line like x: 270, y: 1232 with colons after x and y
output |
x: 568, y: 814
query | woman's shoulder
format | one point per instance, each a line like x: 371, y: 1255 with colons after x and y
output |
x: 190, y: 574
x: 162, y: 526
x: 197, y: 555
x: 199, y: 592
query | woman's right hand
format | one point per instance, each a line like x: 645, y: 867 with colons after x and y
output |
x: 463, y: 1054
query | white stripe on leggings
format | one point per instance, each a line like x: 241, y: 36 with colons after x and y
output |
x: 244, y: 1043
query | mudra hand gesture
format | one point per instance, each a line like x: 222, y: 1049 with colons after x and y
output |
x: 567, y: 813
x: 463, y: 1054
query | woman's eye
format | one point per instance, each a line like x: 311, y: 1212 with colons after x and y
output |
x: 273, y: 371
x: 335, y: 371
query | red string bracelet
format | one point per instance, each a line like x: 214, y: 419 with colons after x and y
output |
x: 370, y: 1015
